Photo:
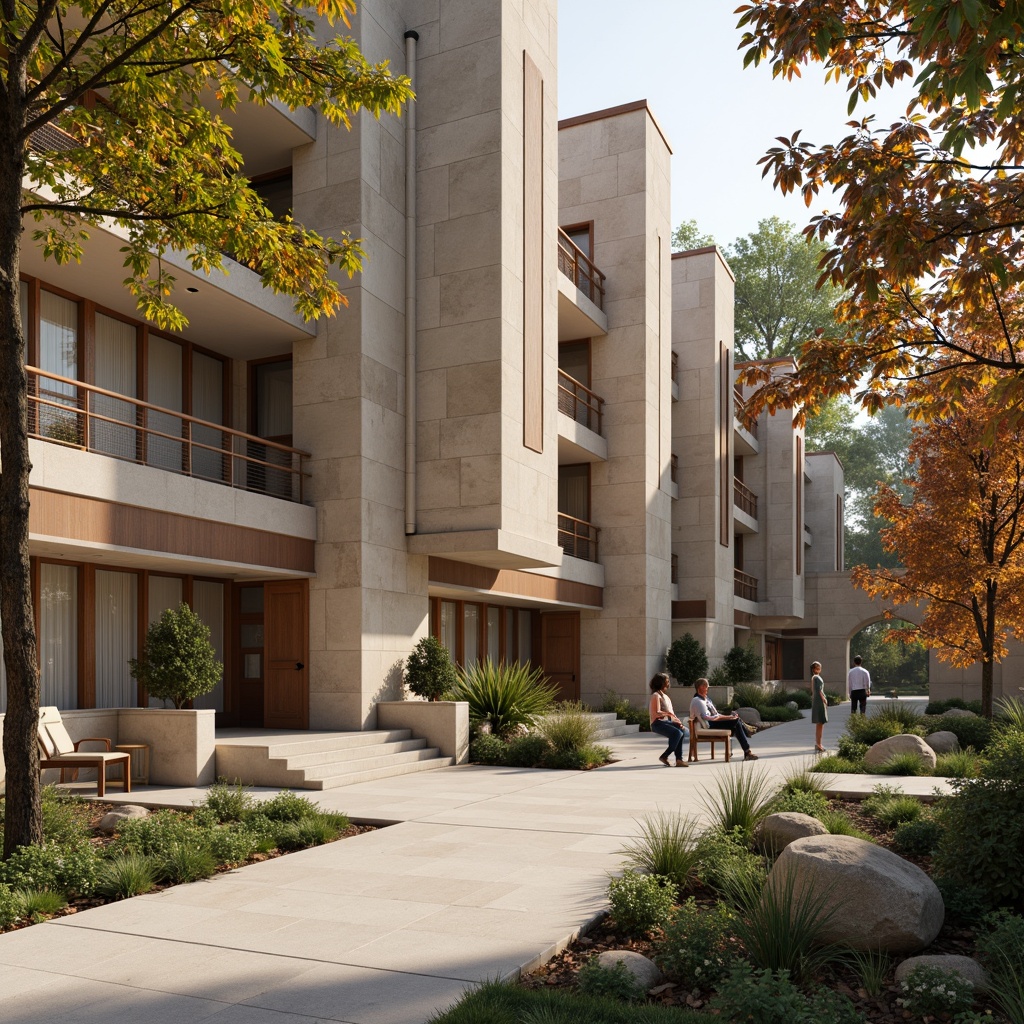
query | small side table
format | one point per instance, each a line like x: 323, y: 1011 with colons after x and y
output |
x: 139, y: 753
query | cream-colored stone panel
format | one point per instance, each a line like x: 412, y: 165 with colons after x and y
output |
x: 471, y: 295
x: 466, y: 243
x: 437, y: 483
x: 474, y: 185
x: 468, y: 137
x: 476, y: 67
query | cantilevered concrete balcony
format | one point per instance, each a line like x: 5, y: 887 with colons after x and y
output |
x: 744, y: 435
x: 580, y: 293
x: 580, y: 427
x: 744, y: 508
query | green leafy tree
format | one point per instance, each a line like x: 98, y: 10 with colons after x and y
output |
x: 429, y: 671
x: 114, y: 113
x: 687, y: 661
x: 689, y: 236
x: 779, y: 305
x: 178, y: 661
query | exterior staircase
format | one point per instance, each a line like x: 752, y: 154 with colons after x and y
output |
x: 314, y: 760
x: 610, y: 725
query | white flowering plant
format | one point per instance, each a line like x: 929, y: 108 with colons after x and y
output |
x: 931, y: 990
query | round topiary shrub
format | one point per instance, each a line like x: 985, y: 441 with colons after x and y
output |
x: 687, y: 661
x: 429, y: 671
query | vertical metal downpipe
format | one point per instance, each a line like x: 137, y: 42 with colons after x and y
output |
x: 410, y: 290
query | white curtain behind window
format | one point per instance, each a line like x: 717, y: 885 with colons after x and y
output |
x: 493, y: 634
x: 163, y: 388
x: 471, y: 634
x: 58, y: 353
x: 115, y: 371
x: 207, y: 404
x: 116, y: 638
x: 208, y: 604
x: 449, y: 629
x: 58, y: 635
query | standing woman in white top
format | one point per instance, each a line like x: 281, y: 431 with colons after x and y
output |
x: 664, y: 721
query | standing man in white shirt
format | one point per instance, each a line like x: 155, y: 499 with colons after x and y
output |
x: 858, y: 686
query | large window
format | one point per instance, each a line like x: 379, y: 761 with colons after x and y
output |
x: 58, y: 635
x: 117, y: 628
x: 471, y: 631
x: 116, y: 370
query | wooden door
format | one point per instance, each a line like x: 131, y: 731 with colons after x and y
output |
x: 560, y: 651
x: 286, y: 654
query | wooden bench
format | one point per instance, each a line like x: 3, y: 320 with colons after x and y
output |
x: 700, y: 733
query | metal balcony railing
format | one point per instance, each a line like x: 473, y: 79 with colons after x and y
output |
x: 577, y: 537
x: 744, y: 586
x: 744, y: 498
x: 580, y: 269
x: 68, y: 412
x: 579, y: 403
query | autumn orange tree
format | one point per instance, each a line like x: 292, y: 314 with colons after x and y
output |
x: 929, y: 225
x: 115, y: 112
x: 960, y: 534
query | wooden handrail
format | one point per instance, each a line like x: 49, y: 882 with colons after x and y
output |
x: 744, y: 498
x: 579, y: 403
x: 577, y: 537
x: 63, y: 410
x: 744, y: 585
x: 580, y: 269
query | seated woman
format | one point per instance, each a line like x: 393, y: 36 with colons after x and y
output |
x: 702, y: 708
x: 664, y: 721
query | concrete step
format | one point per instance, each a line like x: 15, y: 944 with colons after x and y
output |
x: 342, y: 754
x: 619, y: 728
x: 318, y: 742
x: 371, y: 775
x: 333, y: 769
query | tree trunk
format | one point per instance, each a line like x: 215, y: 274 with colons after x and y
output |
x: 23, y: 818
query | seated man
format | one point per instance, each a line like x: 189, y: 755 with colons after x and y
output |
x: 702, y: 708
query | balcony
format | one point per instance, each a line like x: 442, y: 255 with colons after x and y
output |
x: 675, y: 376
x: 745, y: 434
x: 580, y: 293
x: 580, y: 427
x: 744, y: 498
x: 744, y: 586
x: 577, y: 538
x: 70, y: 413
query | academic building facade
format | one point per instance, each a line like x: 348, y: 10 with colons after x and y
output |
x: 522, y: 435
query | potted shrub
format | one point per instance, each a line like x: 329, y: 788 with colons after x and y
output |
x: 429, y: 672
x: 178, y: 662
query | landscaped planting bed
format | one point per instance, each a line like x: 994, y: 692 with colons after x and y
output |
x: 81, y: 865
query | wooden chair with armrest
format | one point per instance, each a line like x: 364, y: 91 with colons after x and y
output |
x: 58, y: 750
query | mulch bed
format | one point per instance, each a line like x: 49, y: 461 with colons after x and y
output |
x: 560, y: 972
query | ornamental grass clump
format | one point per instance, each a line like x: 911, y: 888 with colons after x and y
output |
x: 907, y: 763
x: 742, y: 799
x: 872, y: 967
x: 568, y: 726
x: 667, y: 845
x: 627, y: 711
x: 889, y: 807
x: 505, y: 698
x: 126, y: 875
x: 183, y: 862
x: 895, y: 713
x: 1001, y: 949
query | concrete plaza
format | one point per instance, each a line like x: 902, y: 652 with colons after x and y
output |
x: 484, y: 872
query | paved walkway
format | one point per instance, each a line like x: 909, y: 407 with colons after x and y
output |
x: 487, y: 871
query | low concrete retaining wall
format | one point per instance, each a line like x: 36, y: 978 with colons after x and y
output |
x: 442, y: 723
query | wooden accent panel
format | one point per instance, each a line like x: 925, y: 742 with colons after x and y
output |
x: 513, y: 582
x: 286, y: 655
x: 799, y: 505
x: 743, y: 619
x: 689, y: 609
x: 533, y: 256
x: 808, y: 631
x: 54, y: 514
x: 725, y: 496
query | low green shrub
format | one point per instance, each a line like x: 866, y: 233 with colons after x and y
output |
x: 720, y: 855
x: 12, y: 908
x: 487, y: 749
x: 154, y: 834
x: 1000, y: 947
x: 695, y: 950
x: 851, y: 749
x: 801, y: 802
x: 70, y: 870
x: 769, y: 997
x: 233, y: 844
x: 628, y: 712
x: 526, y: 751
x: 928, y: 991
x: 314, y: 830
x: 965, y: 901
x: 895, y: 712
x: 920, y: 837
x: 287, y: 806
x: 902, y: 764
x: 958, y: 764
x: 666, y: 846
x: 940, y: 707
x: 889, y: 807
x: 839, y: 823
x: 640, y: 903
x: 750, y: 695
x: 228, y: 801
x: 831, y: 764
x: 182, y: 862
x: 39, y: 904
x: 609, y: 982
x: 590, y: 756
x: 779, y: 714
x: 970, y: 732
x: 126, y: 875
x: 65, y: 817
x: 983, y: 822
x: 780, y: 698
x: 834, y: 698
x: 870, y: 731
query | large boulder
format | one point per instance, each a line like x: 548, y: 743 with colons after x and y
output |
x: 943, y: 742
x: 968, y: 968
x: 750, y: 715
x: 880, y: 901
x: 905, y: 743
x: 124, y: 812
x: 644, y: 971
x: 777, y: 831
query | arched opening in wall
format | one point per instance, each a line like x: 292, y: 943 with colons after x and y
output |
x: 898, y: 667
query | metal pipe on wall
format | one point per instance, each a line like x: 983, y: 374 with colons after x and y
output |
x: 411, y: 39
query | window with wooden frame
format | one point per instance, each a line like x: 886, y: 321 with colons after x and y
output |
x: 471, y: 631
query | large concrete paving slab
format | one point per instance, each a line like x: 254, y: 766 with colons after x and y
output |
x: 484, y: 873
